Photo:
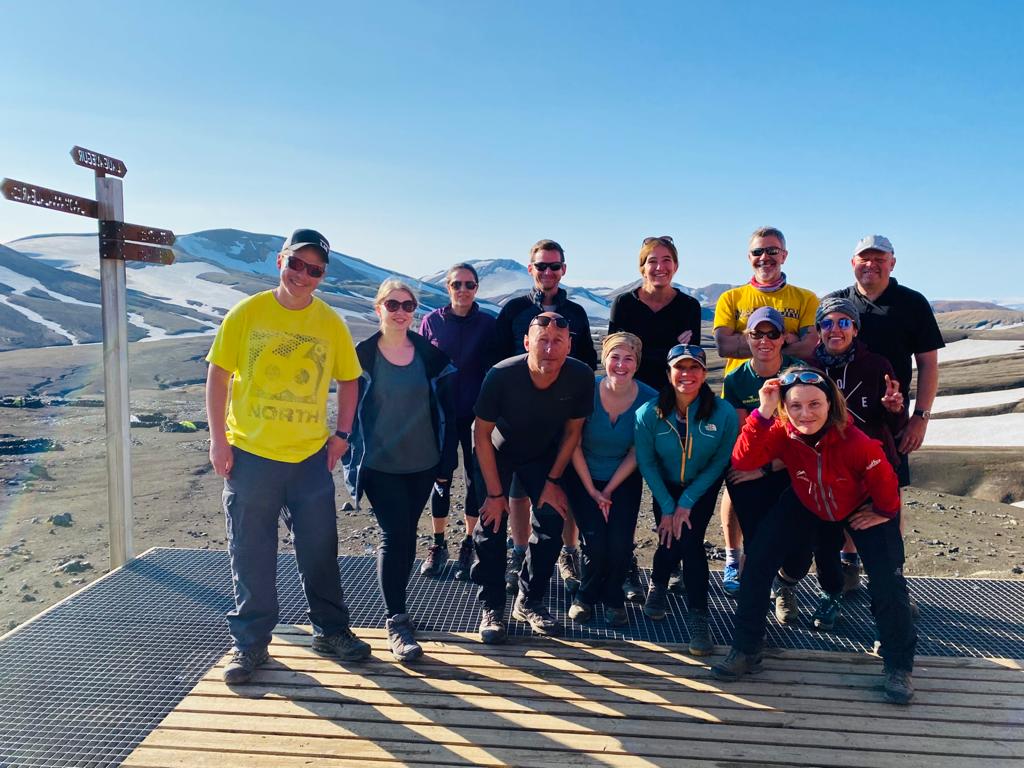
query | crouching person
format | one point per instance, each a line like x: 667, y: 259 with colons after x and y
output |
x: 841, y: 481
x: 278, y: 351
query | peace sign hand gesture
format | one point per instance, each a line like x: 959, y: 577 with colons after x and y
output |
x: 893, y: 398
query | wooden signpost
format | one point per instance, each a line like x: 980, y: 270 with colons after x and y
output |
x: 118, y: 242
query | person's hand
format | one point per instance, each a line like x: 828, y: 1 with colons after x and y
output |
x: 769, y: 395
x: 913, y: 435
x: 790, y: 338
x: 866, y: 517
x: 684, y: 337
x: 336, y: 448
x: 893, y: 398
x: 554, y: 497
x: 679, y: 519
x: 222, y: 457
x: 737, y: 476
x: 493, y: 512
x: 665, y: 530
x: 604, y: 503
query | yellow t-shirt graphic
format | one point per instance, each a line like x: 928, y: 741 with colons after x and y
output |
x: 282, y: 363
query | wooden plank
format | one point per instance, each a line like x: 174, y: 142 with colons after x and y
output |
x: 685, y: 705
x: 98, y: 162
x: 533, y: 750
x: 31, y: 194
x: 266, y: 717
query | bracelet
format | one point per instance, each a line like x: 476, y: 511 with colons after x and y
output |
x: 554, y: 480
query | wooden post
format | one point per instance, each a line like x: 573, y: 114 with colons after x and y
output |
x: 110, y: 199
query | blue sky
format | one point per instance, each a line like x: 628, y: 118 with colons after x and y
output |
x: 415, y: 134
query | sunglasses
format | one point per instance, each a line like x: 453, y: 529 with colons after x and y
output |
x: 294, y: 262
x: 544, y: 266
x: 393, y: 305
x: 545, y: 320
x: 828, y: 323
x: 688, y: 350
x: 773, y: 334
x: 469, y: 284
x: 663, y: 239
x: 801, y: 377
x: 757, y: 253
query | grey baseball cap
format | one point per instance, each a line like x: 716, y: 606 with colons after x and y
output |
x: 300, y: 238
x: 766, y: 315
x: 873, y: 243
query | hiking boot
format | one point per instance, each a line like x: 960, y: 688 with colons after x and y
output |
x: 675, y: 582
x: 515, y: 564
x: 580, y: 611
x: 492, y: 626
x: 243, y: 664
x: 569, y: 569
x: 736, y: 665
x: 435, y: 561
x: 344, y: 645
x: 700, y: 634
x: 731, y: 581
x: 615, y: 617
x: 632, y: 589
x: 851, y: 577
x: 785, y: 601
x: 402, y: 638
x: 828, y: 612
x: 899, y: 687
x: 466, y: 553
x: 656, y: 603
x: 537, y: 616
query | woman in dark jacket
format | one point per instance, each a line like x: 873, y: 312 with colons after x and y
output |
x: 466, y: 334
x: 402, y: 442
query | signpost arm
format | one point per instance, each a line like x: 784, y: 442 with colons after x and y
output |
x: 110, y: 199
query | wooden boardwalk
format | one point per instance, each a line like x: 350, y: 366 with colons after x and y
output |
x: 549, y: 703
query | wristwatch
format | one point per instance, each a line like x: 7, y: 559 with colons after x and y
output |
x: 343, y: 434
x: 923, y: 414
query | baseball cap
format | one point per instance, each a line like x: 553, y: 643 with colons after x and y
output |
x: 303, y: 237
x: 691, y: 351
x: 873, y: 243
x: 766, y: 315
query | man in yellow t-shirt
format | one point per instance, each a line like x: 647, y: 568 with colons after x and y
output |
x: 767, y: 288
x: 278, y: 351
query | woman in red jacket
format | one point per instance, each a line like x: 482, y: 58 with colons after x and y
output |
x: 841, y: 481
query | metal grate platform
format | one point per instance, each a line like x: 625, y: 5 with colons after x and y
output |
x: 83, y: 684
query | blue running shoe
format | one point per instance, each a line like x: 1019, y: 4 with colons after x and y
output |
x: 731, y: 581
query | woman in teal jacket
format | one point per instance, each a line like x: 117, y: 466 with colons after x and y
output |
x: 684, y: 440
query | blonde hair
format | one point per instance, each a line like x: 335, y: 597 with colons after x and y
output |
x: 393, y: 284
x: 621, y: 339
x: 647, y: 248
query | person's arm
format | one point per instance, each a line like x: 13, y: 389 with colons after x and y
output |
x: 217, y: 382
x: 495, y: 506
x: 927, y: 388
x: 731, y: 343
x: 348, y: 395
x: 579, y: 463
x: 503, y: 346
x: 758, y: 441
x: 626, y: 468
x: 615, y: 317
x: 552, y: 493
x: 647, y: 458
x: 585, y: 342
x: 802, y: 343
x: 881, y: 482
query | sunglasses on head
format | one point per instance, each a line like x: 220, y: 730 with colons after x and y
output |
x: 757, y: 253
x: 294, y: 262
x: 663, y: 239
x: 544, y: 266
x: 470, y: 285
x: 545, y: 320
x: 687, y: 350
x: 774, y: 334
x: 393, y: 305
x: 801, y: 377
x: 843, y: 322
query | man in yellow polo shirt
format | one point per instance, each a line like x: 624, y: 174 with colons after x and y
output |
x: 767, y: 288
x: 277, y: 352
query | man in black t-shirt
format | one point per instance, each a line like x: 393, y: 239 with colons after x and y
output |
x: 529, y: 417
x: 898, y: 324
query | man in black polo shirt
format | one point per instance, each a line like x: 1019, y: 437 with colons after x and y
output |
x: 897, y: 323
x: 529, y: 417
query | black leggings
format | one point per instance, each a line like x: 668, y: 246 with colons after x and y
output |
x: 689, y: 548
x: 398, y: 502
x: 751, y: 501
x: 441, y: 498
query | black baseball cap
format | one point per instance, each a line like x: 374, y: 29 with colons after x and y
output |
x: 302, y: 237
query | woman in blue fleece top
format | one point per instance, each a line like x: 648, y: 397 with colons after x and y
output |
x: 684, y: 441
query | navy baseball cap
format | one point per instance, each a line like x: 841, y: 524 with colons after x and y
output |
x: 308, y: 237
